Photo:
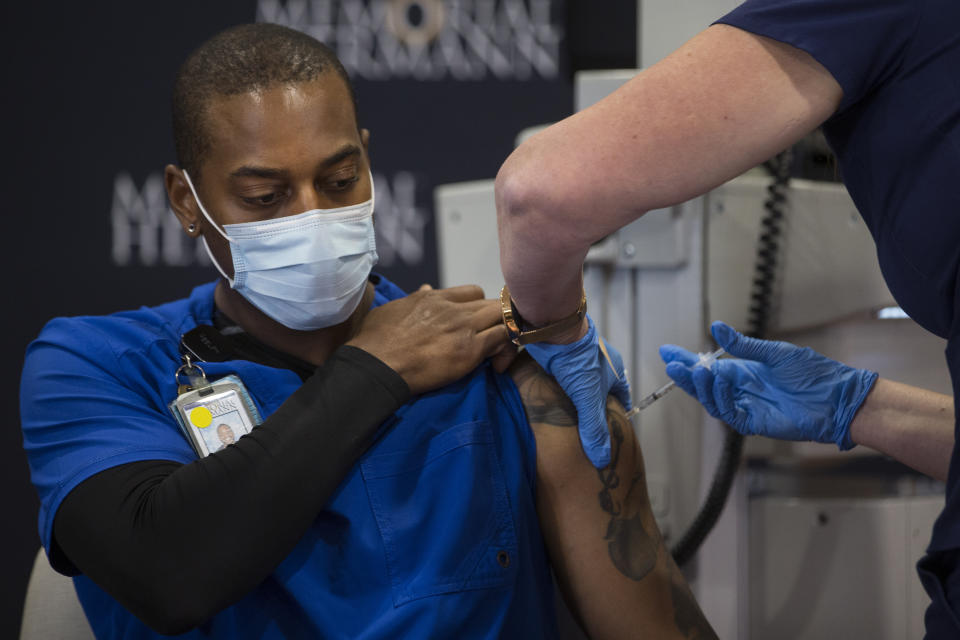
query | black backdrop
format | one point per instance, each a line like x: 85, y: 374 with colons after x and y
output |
x: 86, y: 132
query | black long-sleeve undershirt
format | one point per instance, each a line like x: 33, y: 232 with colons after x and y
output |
x: 175, y: 543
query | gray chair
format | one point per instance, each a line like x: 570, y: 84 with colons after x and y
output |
x: 51, y: 610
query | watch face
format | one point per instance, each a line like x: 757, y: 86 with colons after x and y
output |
x: 521, y: 335
x: 509, y: 315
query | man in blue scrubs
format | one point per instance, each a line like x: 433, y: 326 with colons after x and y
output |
x: 882, y: 78
x: 447, y: 526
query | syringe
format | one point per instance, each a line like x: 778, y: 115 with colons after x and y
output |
x: 705, y: 360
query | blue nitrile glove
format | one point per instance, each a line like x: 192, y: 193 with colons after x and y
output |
x: 585, y: 375
x: 775, y: 389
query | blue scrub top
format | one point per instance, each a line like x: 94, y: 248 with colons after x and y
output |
x: 433, y: 534
x: 896, y: 134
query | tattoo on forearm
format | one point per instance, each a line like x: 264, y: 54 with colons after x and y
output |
x: 632, y: 549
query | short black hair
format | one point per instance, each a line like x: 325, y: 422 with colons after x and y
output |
x: 241, y: 59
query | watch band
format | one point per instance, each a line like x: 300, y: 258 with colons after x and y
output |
x: 520, y: 333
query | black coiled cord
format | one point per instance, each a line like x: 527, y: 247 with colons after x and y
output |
x: 768, y: 246
x: 761, y: 302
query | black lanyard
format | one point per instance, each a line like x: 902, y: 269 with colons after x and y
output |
x: 206, y: 343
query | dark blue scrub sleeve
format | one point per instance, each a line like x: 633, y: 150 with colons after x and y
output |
x: 135, y: 529
x: 858, y: 41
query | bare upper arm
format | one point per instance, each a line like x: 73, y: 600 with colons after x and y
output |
x: 606, y: 550
x: 724, y: 102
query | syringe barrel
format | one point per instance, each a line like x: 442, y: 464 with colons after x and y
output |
x: 704, y: 360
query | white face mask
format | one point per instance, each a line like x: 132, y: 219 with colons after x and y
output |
x: 307, y: 271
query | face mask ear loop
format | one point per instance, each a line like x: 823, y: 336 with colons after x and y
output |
x: 212, y: 223
x: 373, y: 192
x: 373, y: 205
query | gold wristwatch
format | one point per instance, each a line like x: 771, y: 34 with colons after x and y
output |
x: 522, y: 333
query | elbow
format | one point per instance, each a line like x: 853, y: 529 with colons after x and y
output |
x: 169, y: 626
x: 174, y: 612
x: 533, y: 203
x: 173, y: 620
x: 514, y: 194
x: 528, y: 187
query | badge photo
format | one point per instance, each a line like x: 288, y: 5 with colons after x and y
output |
x: 215, y: 415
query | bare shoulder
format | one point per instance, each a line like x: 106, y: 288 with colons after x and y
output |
x: 553, y: 420
x: 545, y: 402
x: 543, y: 399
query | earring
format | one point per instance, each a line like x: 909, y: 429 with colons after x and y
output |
x: 191, y: 228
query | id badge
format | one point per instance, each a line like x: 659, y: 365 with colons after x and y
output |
x: 214, y: 415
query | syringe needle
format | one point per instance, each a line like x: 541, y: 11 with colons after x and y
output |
x: 706, y: 359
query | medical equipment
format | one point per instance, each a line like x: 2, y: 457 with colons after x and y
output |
x: 705, y: 360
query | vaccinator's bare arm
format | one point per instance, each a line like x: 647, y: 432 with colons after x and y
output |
x: 912, y: 425
x: 724, y: 102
